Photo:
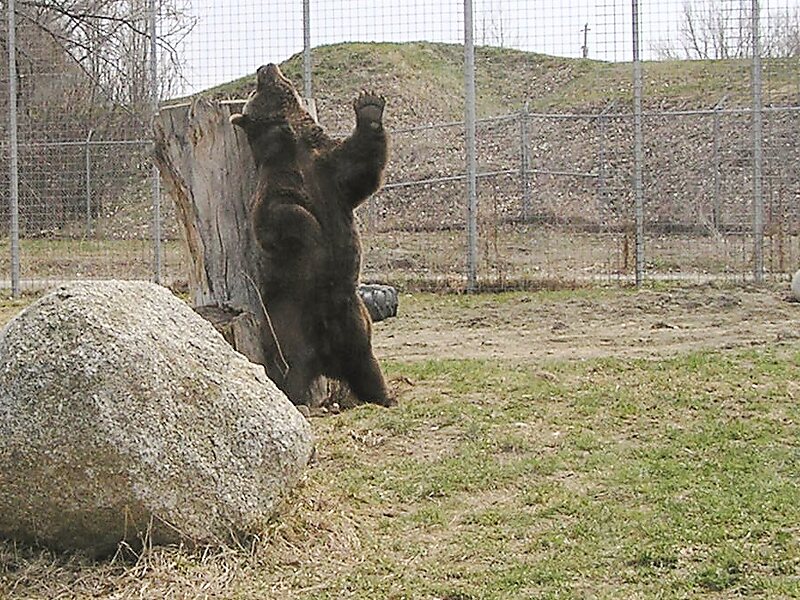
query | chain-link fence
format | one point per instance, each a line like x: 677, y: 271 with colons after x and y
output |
x: 533, y: 144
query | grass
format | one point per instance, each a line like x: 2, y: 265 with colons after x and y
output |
x: 435, y: 259
x: 529, y: 253
x: 507, y: 77
x: 455, y: 305
x: 11, y: 306
x: 492, y: 479
x: 64, y: 259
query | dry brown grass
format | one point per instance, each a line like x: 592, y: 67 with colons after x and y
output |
x: 604, y: 475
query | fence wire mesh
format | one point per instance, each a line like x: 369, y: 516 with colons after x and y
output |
x: 556, y: 174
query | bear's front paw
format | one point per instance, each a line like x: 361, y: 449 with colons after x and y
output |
x: 369, y: 109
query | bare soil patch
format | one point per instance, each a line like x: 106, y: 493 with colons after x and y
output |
x: 589, y: 324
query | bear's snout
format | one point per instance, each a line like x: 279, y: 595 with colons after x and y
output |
x: 269, y: 74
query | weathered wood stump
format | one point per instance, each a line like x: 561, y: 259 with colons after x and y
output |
x: 208, y: 172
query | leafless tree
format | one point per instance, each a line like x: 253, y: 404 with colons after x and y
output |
x: 496, y: 26
x: 719, y: 29
x: 785, y: 34
x: 107, y: 41
x: 83, y: 72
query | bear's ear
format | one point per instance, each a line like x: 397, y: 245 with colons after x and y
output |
x: 239, y: 120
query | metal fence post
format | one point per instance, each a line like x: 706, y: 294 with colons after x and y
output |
x: 155, y: 182
x: 13, y: 146
x: 525, y: 162
x: 602, y: 184
x: 716, y: 211
x: 758, y: 151
x: 307, y: 91
x: 602, y: 190
x: 638, y: 147
x: 471, y: 157
x: 88, y: 168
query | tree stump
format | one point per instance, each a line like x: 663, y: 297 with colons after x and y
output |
x: 208, y: 171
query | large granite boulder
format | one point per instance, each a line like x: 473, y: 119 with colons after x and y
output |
x: 123, y: 415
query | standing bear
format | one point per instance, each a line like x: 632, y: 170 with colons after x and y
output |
x: 308, y: 186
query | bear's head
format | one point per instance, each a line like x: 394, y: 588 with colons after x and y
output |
x: 267, y: 115
x: 274, y: 98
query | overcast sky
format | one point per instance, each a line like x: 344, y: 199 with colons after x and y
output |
x: 230, y: 39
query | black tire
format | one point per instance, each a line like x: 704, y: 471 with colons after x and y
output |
x: 381, y: 300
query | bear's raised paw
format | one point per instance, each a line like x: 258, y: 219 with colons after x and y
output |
x: 369, y: 109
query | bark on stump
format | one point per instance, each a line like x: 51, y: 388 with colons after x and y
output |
x: 208, y: 171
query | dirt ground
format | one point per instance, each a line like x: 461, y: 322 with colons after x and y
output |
x: 588, y: 324
x: 581, y: 324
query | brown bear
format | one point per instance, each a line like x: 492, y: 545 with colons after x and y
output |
x: 308, y: 186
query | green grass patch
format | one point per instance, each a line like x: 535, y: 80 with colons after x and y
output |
x: 506, y: 77
x: 65, y: 259
x: 9, y: 307
x: 672, y: 478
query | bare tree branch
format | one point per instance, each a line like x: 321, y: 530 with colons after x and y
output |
x: 108, y: 41
x: 709, y: 29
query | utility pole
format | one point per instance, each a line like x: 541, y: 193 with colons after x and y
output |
x: 585, y: 47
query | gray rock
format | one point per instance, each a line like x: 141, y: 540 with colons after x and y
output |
x: 124, y: 414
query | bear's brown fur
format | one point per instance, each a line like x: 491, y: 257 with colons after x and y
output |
x: 302, y: 217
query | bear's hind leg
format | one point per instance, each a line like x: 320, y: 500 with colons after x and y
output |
x: 351, y: 357
x: 366, y: 381
x: 291, y: 360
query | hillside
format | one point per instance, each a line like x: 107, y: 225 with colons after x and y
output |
x: 697, y: 176
x: 425, y: 81
x: 581, y: 165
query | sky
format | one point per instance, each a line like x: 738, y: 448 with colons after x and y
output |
x: 230, y: 39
